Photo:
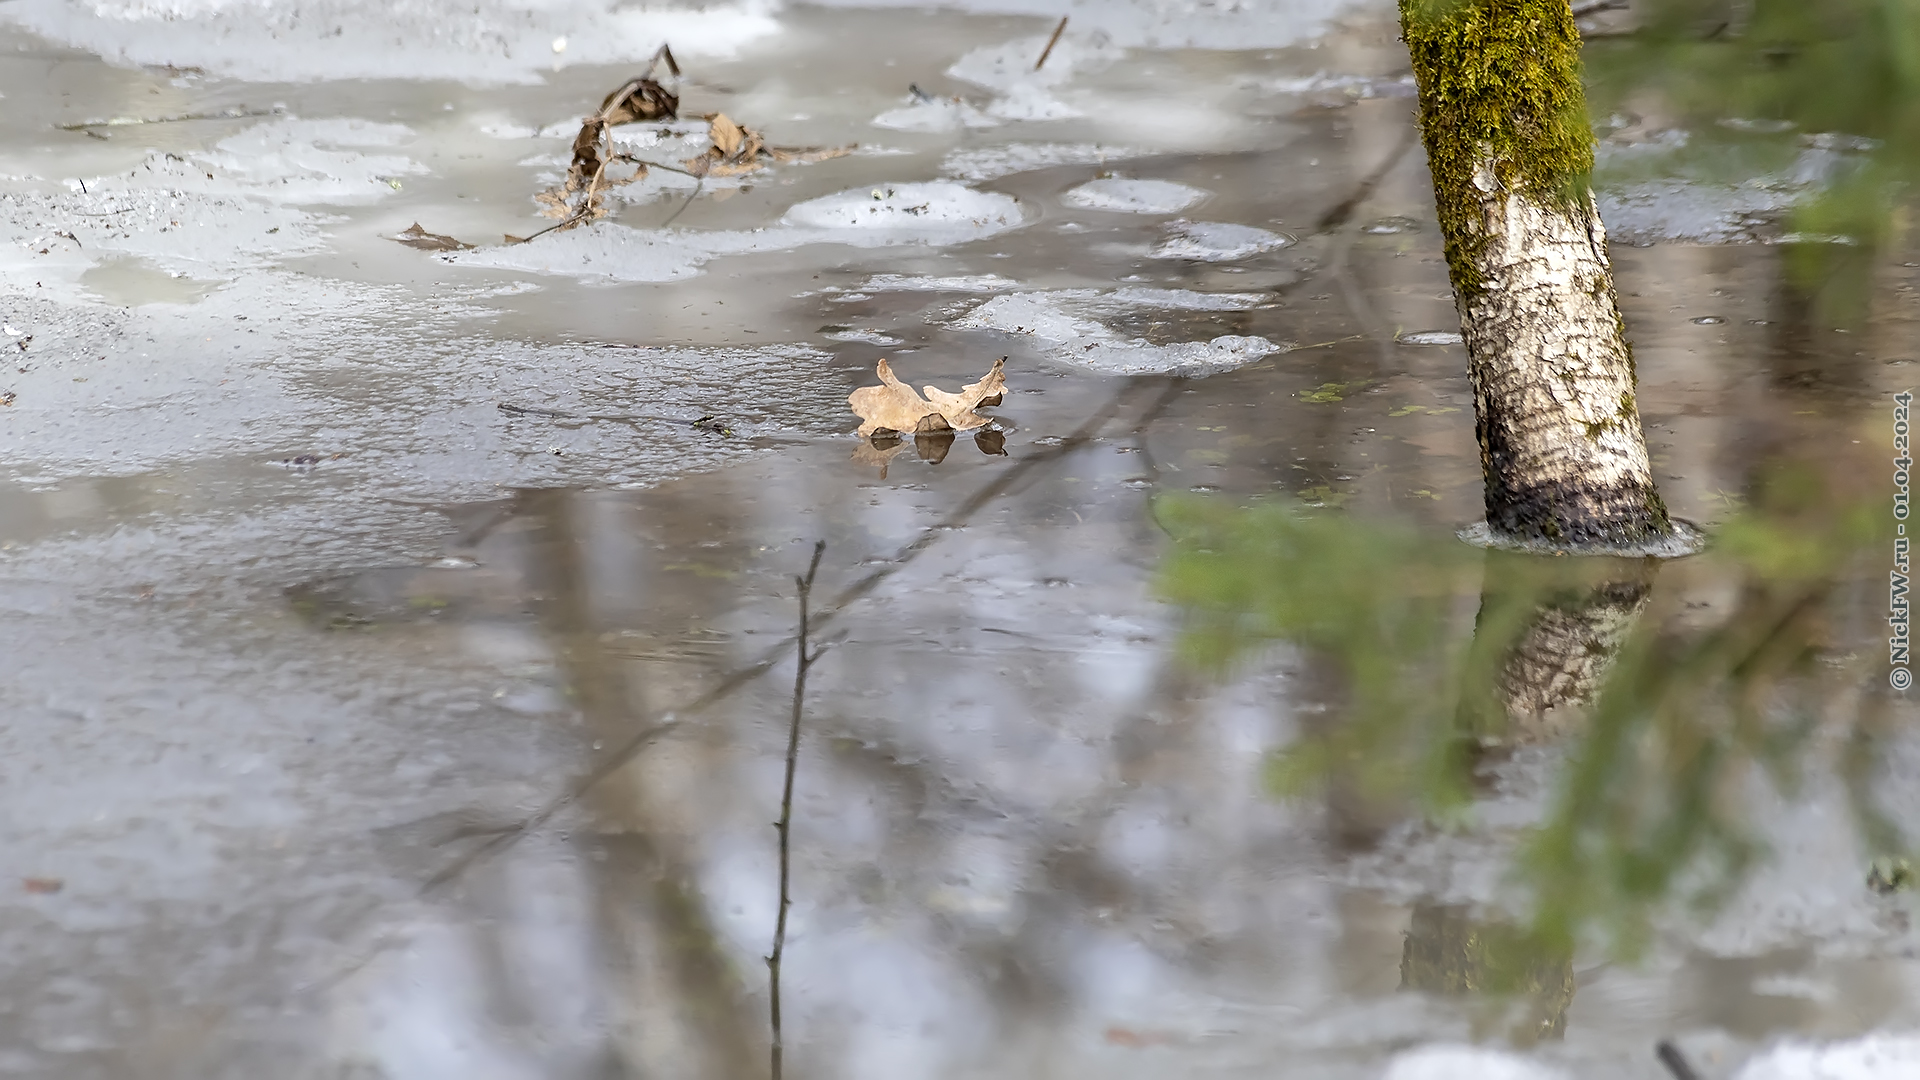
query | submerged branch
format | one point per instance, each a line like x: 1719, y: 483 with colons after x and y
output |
x: 132, y: 121
x: 804, y: 658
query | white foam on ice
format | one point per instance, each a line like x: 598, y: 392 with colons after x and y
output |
x: 1133, y: 196
x: 935, y: 115
x: 1214, y: 241
x: 992, y: 162
x: 1010, y: 65
x: 930, y: 207
x: 934, y: 213
x: 1024, y: 91
x: 1445, y: 1062
x: 1071, y: 324
x: 1872, y: 1057
x: 212, y: 213
x: 969, y: 283
x: 485, y: 43
x: 1355, y: 87
x: 1031, y: 103
x: 1164, y: 24
x: 306, y: 161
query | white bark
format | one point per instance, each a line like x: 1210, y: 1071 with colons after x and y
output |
x: 1553, y: 380
x: 1562, y: 657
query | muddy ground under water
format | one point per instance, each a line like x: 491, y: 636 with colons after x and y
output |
x: 397, y: 643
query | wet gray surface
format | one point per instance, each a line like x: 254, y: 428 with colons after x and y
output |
x: 357, y: 727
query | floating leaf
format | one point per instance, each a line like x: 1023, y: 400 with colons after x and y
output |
x: 738, y: 150
x: 416, y: 237
x: 894, y: 406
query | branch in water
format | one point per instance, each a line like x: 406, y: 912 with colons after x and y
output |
x: 804, y: 658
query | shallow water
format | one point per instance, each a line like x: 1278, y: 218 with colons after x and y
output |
x: 360, y: 727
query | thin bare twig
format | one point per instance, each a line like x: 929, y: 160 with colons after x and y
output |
x: 675, y: 216
x: 1051, y: 42
x: 574, y: 219
x: 131, y: 121
x: 631, y: 160
x: 1317, y: 344
x: 803, y: 659
x: 709, y: 423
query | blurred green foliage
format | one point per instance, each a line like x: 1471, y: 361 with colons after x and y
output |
x: 1430, y: 643
x: 1824, y: 94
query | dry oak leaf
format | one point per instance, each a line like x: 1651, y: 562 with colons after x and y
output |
x: 738, y: 150
x: 894, y: 406
x: 416, y: 237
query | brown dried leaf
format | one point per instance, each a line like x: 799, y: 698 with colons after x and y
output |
x: 727, y: 136
x: 635, y: 100
x: 958, y: 408
x: 738, y: 150
x: 894, y: 406
x: 639, y: 99
x: 806, y: 155
x: 416, y: 237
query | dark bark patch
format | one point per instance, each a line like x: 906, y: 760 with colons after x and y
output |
x: 1574, y: 513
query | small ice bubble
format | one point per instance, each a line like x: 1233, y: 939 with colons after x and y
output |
x: 11, y: 332
x: 560, y: 44
x: 1707, y: 320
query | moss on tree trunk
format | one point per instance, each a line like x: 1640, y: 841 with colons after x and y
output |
x: 1503, y: 116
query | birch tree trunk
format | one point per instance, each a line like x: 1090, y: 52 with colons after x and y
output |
x: 1503, y: 116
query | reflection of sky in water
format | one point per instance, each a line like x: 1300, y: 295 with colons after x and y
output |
x: 1027, y: 841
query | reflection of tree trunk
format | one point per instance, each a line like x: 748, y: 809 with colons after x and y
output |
x: 1820, y: 288
x: 1508, y: 143
x: 1451, y: 953
x: 1531, y: 669
x: 682, y: 1014
x: 1562, y: 657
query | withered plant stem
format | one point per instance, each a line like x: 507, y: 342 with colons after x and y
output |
x: 1051, y: 42
x: 804, y: 656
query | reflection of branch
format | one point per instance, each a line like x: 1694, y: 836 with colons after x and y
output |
x: 1672, y: 1058
x: 704, y: 423
x: 698, y: 183
x: 665, y: 722
x: 128, y: 121
x: 1338, y: 214
x: 803, y: 659
x: 1334, y: 222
